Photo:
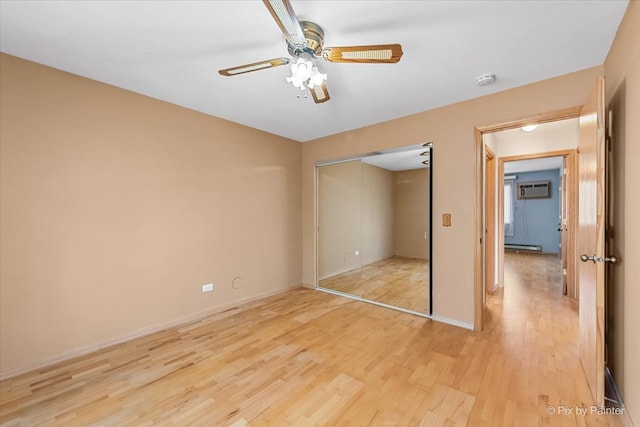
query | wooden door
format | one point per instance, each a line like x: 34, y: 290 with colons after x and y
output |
x: 591, y: 197
x: 490, y: 223
x: 563, y: 223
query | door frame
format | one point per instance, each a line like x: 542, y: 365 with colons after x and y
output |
x: 572, y: 214
x: 565, y: 203
x: 490, y: 284
x: 565, y: 113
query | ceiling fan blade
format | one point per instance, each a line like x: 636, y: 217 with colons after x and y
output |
x: 379, y: 53
x: 320, y: 94
x: 256, y: 66
x: 283, y: 13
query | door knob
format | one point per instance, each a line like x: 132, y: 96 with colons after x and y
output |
x: 585, y: 258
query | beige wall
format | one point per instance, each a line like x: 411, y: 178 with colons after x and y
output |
x: 411, y: 213
x: 377, y: 214
x: 451, y: 128
x: 355, y: 214
x: 339, y: 218
x: 370, y: 210
x: 622, y: 71
x: 116, y: 208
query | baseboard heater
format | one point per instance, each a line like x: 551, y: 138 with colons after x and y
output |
x: 531, y: 248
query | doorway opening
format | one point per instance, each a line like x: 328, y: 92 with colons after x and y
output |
x: 538, y: 215
x: 535, y: 188
x: 495, y: 195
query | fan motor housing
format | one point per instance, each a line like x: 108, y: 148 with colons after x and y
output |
x: 314, y: 39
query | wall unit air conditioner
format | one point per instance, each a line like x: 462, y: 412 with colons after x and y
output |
x: 534, y: 190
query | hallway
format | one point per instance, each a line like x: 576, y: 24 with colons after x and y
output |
x: 536, y: 331
x: 534, y: 281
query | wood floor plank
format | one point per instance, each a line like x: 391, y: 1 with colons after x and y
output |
x: 308, y: 358
x: 396, y: 281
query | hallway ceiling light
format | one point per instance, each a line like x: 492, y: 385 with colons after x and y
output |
x: 529, y: 128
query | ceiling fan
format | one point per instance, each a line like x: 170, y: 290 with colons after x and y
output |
x: 305, y: 42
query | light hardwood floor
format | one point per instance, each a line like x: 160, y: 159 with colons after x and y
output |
x: 397, y: 281
x: 308, y: 358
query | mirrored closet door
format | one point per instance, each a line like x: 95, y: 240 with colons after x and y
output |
x: 374, y: 220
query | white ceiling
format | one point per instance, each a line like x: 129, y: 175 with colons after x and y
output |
x: 171, y: 50
x: 566, y: 129
x: 531, y: 165
x: 400, y: 159
x: 560, y: 134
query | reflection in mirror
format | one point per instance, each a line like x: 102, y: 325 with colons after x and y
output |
x: 374, y: 228
x: 339, y: 218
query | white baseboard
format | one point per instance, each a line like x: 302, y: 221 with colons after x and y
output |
x: 81, y: 351
x: 452, y: 322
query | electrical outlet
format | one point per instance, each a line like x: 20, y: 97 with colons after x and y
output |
x: 207, y: 288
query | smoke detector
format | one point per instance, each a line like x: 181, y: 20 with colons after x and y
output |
x: 485, y: 79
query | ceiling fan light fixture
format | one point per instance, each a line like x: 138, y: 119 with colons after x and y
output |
x: 305, y: 42
x: 305, y: 75
x: 316, y: 78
